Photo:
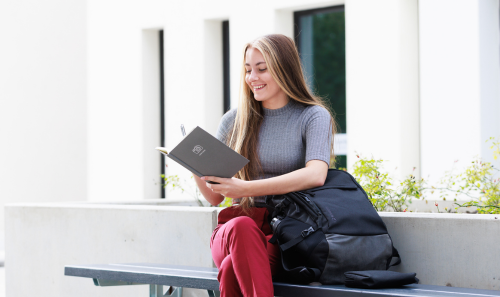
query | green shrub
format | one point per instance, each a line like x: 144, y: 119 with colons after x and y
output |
x: 480, y: 181
x: 384, y: 193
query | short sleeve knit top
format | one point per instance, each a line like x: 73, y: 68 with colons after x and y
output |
x: 289, y: 137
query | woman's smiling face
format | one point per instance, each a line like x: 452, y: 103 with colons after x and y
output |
x: 260, y: 81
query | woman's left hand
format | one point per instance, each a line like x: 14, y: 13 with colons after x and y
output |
x: 229, y: 187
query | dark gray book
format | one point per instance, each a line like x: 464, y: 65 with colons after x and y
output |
x: 205, y: 155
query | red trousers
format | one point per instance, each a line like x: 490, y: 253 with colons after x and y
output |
x: 245, y: 259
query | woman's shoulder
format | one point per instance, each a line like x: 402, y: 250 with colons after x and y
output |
x: 228, y: 118
x: 315, y: 111
x: 225, y: 125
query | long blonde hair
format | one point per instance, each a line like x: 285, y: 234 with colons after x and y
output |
x: 282, y: 60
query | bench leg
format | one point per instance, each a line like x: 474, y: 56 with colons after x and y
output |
x: 157, y: 291
x: 176, y: 293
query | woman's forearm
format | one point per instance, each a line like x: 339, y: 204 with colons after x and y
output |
x: 311, y: 176
x: 210, y: 196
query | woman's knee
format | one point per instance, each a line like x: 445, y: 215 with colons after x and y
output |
x: 242, y: 224
x: 226, y: 268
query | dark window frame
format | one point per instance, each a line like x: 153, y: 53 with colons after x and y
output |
x: 162, y: 110
x: 298, y: 14
x: 226, y: 80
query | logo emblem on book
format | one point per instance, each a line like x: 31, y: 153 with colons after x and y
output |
x: 197, y: 149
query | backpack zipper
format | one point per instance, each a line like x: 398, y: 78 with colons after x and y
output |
x: 312, y: 204
x: 305, y: 202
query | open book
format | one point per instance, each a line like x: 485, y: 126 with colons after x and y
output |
x: 205, y: 155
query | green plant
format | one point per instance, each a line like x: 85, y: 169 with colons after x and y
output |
x: 479, y: 181
x: 173, y: 182
x: 381, y: 189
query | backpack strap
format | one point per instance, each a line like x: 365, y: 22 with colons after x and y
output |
x: 395, y: 254
x: 291, y: 243
x: 277, y: 210
x: 301, y: 274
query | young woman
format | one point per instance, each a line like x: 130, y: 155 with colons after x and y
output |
x: 286, y: 132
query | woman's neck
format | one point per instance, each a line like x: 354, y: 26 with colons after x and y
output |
x: 276, y: 102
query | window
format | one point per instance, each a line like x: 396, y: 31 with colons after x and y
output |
x: 320, y: 38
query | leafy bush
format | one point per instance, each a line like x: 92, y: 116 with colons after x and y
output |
x: 480, y: 181
x: 384, y: 193
x: 173, y: 182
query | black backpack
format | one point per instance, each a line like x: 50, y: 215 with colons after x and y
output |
x: 326, y: 231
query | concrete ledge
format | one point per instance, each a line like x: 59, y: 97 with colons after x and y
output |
x: 42, y: 238
x: 461, y: 250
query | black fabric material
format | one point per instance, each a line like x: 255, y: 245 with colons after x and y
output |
x: 373, y: 279
x: 344, y: 223
x: 395, y: 254
x: 353, y: 253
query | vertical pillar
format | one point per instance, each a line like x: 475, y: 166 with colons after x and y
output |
x: 151, y: 138
x: 382, y: 81
x: 489, y: 74
x: 213, y: 75
x: 460, y: 74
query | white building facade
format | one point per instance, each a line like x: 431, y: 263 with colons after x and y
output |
x: 81, y: 82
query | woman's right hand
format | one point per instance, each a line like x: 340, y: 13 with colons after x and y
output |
x: 212, y: 198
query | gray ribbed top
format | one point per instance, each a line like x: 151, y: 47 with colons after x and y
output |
x: 289, y: 137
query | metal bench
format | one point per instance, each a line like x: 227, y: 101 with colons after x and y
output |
x: 178, y: 277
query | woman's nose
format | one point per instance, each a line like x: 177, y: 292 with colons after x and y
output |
x: 253, y: 76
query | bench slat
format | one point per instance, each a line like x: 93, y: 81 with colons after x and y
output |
x: 408, y: 290
x: 171, y: 275
x: 206, y: 278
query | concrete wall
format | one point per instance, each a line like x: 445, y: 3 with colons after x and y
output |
x: 422, y: 90
x: 459, y: 75
x: 460, y: 250
x: 78, y: 118
x: 382, y: 81
x: 42, y: 238
x: 43, y: 107
x: 421, y: 85
x: 121, y: 120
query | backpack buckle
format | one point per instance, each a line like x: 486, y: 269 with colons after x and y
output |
x: 274, y: 224
x: 307, y: 232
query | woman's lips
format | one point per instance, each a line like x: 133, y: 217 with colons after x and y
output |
x: 258, y: 87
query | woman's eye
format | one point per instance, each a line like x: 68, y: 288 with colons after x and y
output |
x: 248, y: 71
x: 263, y: 69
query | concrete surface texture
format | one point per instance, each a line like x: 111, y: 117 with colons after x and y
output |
x: 443, y: 249
x: 459, y: 250
x: 414, y: 70
x: 42, y: 239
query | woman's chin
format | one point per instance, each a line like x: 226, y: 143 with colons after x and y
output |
x: 259, y: 98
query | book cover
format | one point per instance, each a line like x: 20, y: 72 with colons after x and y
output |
x: 205, y: 155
